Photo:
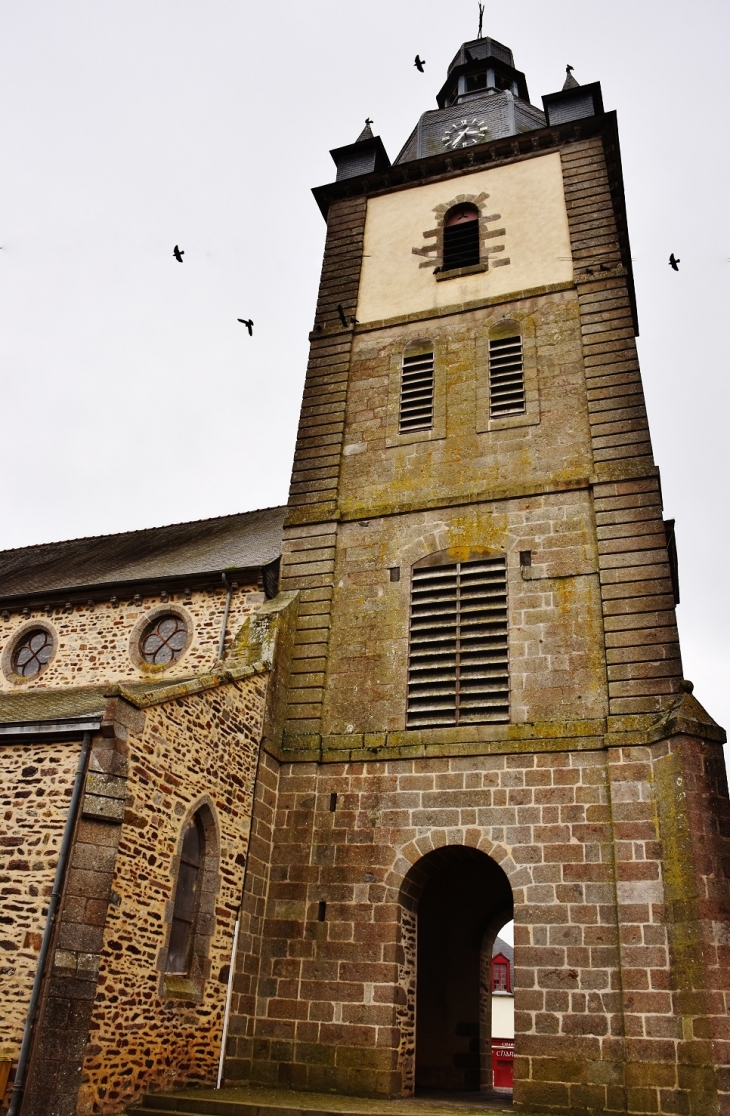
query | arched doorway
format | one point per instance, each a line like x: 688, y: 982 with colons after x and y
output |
x: 461, y: 898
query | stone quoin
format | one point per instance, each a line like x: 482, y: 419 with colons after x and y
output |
x: 440, y: 690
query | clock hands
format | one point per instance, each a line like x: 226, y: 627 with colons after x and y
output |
x: 465, y: 133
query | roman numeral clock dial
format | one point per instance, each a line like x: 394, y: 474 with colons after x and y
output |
x: 465, y: 133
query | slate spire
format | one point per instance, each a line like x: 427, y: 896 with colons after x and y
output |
x: 570, y: 82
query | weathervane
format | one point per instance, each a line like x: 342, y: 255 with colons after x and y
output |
x: 481, y: 18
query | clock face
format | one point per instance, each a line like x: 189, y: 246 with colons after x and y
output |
x: 465, y: 133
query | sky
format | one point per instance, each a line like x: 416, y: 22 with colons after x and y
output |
x: 131, y: 396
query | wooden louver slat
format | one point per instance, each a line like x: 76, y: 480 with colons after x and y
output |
x: 461, y: 245
x: 416, y: 393
x: 506, y: 377
x: 458, y: 671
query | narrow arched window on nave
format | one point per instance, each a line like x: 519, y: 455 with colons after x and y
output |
x: 187, y: 897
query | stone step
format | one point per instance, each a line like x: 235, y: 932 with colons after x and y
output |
x: 259, y: 1101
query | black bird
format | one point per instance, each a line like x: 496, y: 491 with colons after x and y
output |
x: 248, y: 322
x: 674, y: 262
x: 341, y: 312
x: 569, y: 69
x: 368, y: 121
x: 178, y: 253
x: 419, y: 64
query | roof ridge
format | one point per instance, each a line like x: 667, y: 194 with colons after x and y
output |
x: 139, y: 530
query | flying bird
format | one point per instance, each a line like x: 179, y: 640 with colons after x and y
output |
x: 178, y: 253
x: 674, y: 262
x: 419, y: 64
x: 341, y: 312
x: 248, y: 322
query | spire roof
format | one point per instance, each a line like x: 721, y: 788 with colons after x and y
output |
x: 570, y: 82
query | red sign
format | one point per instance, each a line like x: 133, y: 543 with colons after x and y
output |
x: 503, y: 1053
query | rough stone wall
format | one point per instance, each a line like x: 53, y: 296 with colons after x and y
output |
x: 672, y: 828
x: 333, y: 1005
x: 545, y: 449
x: 62, y: 1023
x: 199, y: 749
x: 307, y: 550
x: 642, y: 642
x: 252, y: 946
x: 617, y: 1006
x: 35, y: 788
x: 557, y: 669
x: 93, y: 643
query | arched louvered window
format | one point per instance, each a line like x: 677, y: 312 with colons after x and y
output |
x: 416, y: 388
x: 461, y: 237
x: 458, y: 668
x: 187, y: 897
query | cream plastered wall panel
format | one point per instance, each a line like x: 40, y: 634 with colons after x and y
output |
x: 527, y: 201
x: 503, y: 1016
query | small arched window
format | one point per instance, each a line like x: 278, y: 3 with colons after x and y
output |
x: 461, y: 237
x: 187, y: 897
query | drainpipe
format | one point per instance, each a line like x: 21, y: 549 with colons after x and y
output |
x: 229, y: 992
x: 226, y: 610
x: 231, y: 971
x: 16, y: 1097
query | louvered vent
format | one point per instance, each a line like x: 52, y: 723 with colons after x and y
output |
x: 458, y: 668
x: 506, y: 377
x: 416, y: 393
x: 461, y: 245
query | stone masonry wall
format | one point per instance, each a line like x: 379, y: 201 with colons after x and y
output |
x: 93, y: 642
x: 466, y: 456
x: 201, y: 749
x: 557, y: 668
x: 608, y: 1016
x: 642, y: 642
x: 331, y: 1001
x: 35, y: 788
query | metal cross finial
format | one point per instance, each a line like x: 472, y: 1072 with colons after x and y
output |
x: 481, y: 19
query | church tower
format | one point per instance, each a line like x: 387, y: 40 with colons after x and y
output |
x: 485, y: 715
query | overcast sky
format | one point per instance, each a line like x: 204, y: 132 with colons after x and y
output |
x: 131, y: 395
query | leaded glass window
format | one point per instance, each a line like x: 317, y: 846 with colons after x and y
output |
x: 164, y: 640
x: 32, y: 652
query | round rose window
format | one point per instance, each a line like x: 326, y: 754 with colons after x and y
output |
x: 32, y: 652
x: 164, y: 640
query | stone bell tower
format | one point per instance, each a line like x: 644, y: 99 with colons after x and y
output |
x: 485, y: 714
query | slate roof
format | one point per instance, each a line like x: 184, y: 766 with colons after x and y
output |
x: 246, y: 540
x: 503, y: 947
x: 52, y: 705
